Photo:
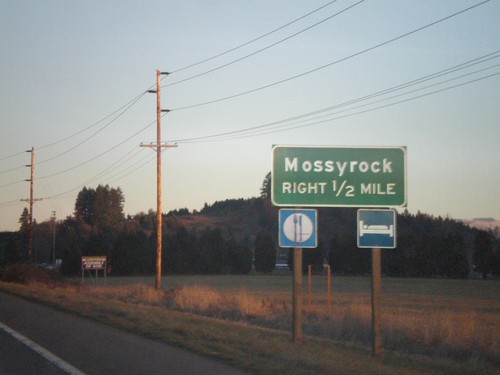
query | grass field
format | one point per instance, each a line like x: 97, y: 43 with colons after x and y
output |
x: 429, y: 326
x: 457, y: 320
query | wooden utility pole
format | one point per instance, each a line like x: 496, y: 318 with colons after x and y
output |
x: 54, y: 238
x: 31, y: 200
x: 159, y: 192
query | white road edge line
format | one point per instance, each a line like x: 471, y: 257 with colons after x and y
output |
x: 42, y: 351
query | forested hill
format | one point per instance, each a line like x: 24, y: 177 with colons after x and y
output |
x: 224, y: 236
x: 427, y: 246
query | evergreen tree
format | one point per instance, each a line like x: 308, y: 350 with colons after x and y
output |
x: 265, y: 253
x: 131, y: 254
x: 24, y: 234
x: 265, y: 190
x: 213, y: 252
x: 240, y: 257
x: 24, y: 221
x: 310, y: 257
x: 102, y: 207
x: 96, y: 245
x: 313, y: 257
x: 346, y: 258
x: 71, y: 254
x: 12, y: 252
x: 180, y: 252
x: 454, y: 262
x: 484, y: 252
x: 85, y: 206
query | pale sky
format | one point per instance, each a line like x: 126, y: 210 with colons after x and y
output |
x: 67, y: 65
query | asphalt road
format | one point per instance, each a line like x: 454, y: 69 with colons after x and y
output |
x: 89, y: 347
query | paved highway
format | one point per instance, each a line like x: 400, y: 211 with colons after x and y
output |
x: 30, y: 333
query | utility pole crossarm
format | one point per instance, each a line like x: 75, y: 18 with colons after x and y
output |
x: 162, y: 145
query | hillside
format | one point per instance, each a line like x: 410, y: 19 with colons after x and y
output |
x: 427, y: 246
x: 221, y: 238
x: 238, y: 218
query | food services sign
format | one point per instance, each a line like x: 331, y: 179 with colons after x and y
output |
x: 339, y: 176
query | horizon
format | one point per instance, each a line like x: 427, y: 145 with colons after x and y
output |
x: 480, y: 223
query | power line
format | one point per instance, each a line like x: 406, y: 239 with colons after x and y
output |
x: 84, y: 162
x: 390, y: 104
x: 99, y: 155
x: 128, y: 104
x: 253, y: 40
x: 135, y: 99
x: 127, y: 171
x: 414, y: 82
x: 265, y: 48
x: 121, y: 160
x: 289, y: 127
x: 11, y: 169
x: 81, y: 185
x: 108, y: 169
x: 251, y: 132
x: 12, y: 183
x: 127, y: 107
x: 132, y: 168
x: 331, y: 63
x: 14, y: 202
x: 12, y: 155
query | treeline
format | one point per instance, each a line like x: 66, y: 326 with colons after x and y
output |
x: 98, y: 227
x: 426, y: 247
x: 132, y: 251
x: 233, y: 236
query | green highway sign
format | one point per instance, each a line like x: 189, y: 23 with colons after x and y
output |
x: 339, y: 176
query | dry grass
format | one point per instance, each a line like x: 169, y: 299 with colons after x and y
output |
x: 457, y: 322
x: 256, y: 350
x: 433, y: 326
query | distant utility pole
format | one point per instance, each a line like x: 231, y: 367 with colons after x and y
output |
x: 158, y: 146
x: 31, y: 200
x: 54, y: 238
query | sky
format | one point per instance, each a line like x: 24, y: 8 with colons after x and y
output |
x: 244, y: 76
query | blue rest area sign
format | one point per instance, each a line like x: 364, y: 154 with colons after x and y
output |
x: 298, y: 228
x: 377, y: 229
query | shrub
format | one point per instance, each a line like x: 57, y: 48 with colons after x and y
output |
x: 28, y: 274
